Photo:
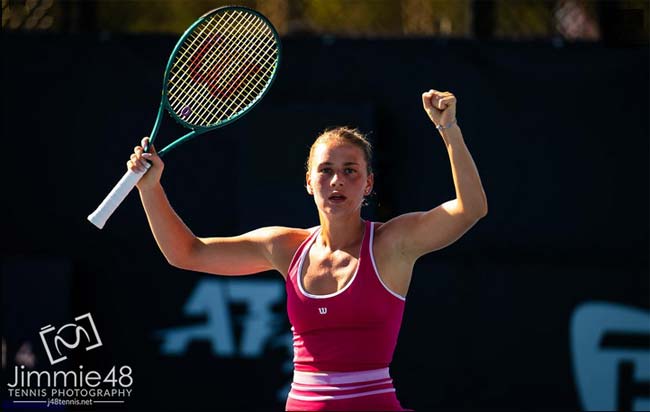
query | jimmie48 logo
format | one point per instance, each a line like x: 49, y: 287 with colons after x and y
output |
x: 81, y: 328
x: 71, y: 387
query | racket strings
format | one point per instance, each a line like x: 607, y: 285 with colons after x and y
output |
x: 245, y: 79
x: 222, y: 68
x: 253, y: 62
x: 181, y: 89
x: 220, y: 51
x: 191, y: 89
x: 264, y: 62
x: 255, y: 68
x: 224, y: 82
x: 227, y: 77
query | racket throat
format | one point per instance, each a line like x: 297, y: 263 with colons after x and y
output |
x: 180, y: 140
x: 156, y: 126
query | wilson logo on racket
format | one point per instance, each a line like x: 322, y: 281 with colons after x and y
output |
x: 234, y: 73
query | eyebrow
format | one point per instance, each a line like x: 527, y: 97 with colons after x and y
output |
x: 344, y: 164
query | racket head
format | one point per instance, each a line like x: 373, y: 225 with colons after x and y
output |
x: 220, y: 68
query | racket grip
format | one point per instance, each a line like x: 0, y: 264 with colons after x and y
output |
x: 115, y: 197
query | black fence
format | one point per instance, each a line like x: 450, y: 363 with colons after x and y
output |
x: 543, y: 304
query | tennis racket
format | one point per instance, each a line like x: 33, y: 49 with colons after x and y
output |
x: 220, y: 68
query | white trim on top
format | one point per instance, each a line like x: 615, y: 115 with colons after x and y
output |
x: 336, y: 397
x: 329, y: 295
x: 295, y: 257
x: 374, y: 265
x: 325, y: 388
x: 339, y: 378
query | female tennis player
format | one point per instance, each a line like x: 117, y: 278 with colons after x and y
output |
x: 346, y: 279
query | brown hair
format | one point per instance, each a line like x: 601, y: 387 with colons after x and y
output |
x: 347, y: 135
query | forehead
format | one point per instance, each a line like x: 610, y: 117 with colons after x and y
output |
x: 337, y: 151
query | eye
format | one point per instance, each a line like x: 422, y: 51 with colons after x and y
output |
x: 327, y: 170
x: 349, y: 170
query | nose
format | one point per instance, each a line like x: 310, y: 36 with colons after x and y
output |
x: 336, y: 180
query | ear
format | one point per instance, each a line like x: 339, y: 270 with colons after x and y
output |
x: 370, y: 182
x: 308, y: 185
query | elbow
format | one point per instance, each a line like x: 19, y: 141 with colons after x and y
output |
x: 485, y: 205
x: 177, y: 261
x: 483, y: 211
x: 182, y: 257
x: 474, y: 207
x: 477, y: 215
x: 479, y: 212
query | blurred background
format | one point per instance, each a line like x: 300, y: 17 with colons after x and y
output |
x: 620, y: 21
x: 545, y: 303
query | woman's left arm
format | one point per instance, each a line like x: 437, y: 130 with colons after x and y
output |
x: 418, y: 233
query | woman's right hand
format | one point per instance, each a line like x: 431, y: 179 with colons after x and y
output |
x: 137, y: 163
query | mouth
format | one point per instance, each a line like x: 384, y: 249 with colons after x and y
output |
x: 337, y: 197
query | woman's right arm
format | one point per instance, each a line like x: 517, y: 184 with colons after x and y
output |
x: 256, y: 251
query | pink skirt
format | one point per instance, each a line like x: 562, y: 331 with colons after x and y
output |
x: 370, y: 390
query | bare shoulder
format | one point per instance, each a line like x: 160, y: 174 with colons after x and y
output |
x: 276, y: 234
x: 389, y: 236
x: 396, y: 237
x: 282, y: 243
x: 286, y: 235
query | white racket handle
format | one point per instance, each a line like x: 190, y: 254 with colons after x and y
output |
x: 116, y: 197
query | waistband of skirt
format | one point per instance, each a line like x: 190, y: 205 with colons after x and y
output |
x: 340, y: 378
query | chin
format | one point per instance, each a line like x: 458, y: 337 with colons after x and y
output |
x: 338, y: 210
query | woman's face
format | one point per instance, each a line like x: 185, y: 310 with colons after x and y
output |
x: 338, y: 177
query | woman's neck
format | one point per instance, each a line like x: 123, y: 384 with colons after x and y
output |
x: 340, y: 233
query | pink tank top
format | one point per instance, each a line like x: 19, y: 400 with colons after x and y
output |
x: 353, y: 329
